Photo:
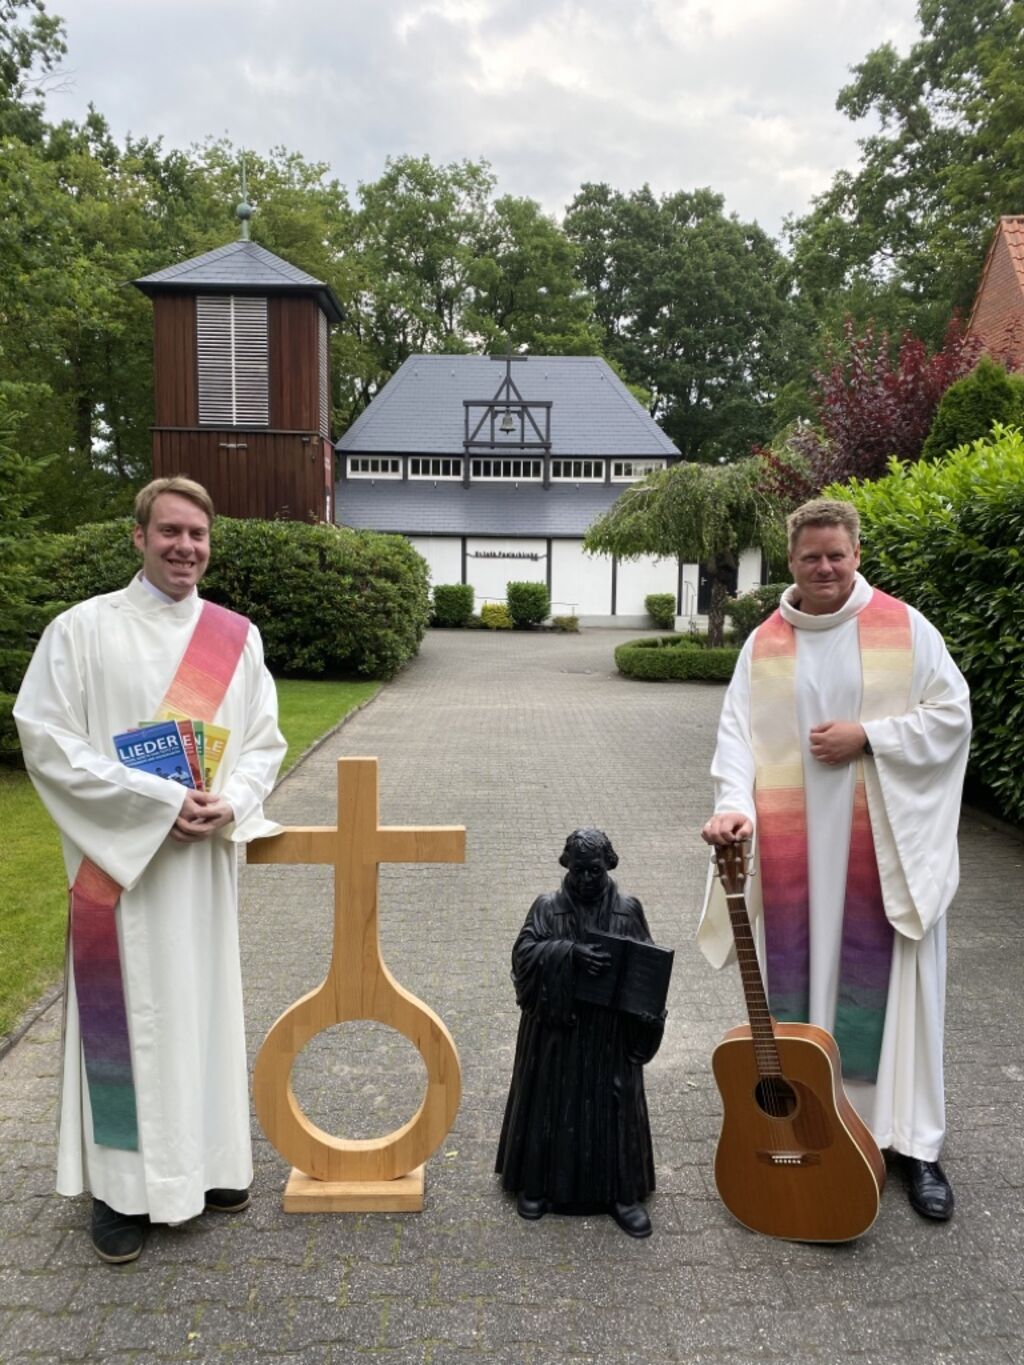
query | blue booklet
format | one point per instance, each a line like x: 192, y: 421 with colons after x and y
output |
x: 158, y: 749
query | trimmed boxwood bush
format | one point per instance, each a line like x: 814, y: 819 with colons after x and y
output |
x: 949, y: 538
x: 453, y: 604
x: 747, y: 611
x: 568, y: 625
x: 661, y: 608
x: 327, y: 601
x: 675, y: 657
x: 528, y: 604
x: 495, y: 616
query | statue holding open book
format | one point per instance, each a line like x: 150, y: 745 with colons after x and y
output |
x: 592, y: 988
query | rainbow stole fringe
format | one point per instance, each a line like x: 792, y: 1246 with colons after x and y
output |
x: 866, y: 955
x: 198, y: 689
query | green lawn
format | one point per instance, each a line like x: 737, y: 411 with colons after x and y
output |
x: 33, y: 894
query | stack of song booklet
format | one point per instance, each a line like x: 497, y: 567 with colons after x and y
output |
x: 175, y: 747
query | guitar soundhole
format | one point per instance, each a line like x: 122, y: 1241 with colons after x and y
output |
x: 776, y: 1097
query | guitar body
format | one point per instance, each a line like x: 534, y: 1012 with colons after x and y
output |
x: 810, y: 1171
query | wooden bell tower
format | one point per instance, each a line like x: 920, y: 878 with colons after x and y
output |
x: 241, y: 377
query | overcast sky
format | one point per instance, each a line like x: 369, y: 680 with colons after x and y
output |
x: 736, y: 94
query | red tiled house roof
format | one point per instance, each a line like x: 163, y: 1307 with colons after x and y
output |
x: 997, y: 317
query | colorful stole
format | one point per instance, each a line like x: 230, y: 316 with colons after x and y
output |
x: 198, y: 689
x: 866, y: 955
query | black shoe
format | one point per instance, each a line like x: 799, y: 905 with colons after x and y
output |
x: 633, y: 1219
x: 930, y: 1193
x: 228, y: 1201
x: 116, y: 1237
x: 531, y: 1208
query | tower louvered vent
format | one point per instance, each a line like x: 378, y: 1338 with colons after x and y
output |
x: 233, y: 360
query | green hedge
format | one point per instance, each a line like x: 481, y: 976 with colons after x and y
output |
x: 949, y: 538
x: 495, y: 616
x: 453, y: 604
x: 661, y: 608
x: 679, y: 657
x: 327, y: 601
x: 969, y: 407
x: 528, y: 604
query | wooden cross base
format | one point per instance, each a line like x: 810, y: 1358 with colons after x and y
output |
x: 343, y: 1175
x: 303, y: 1194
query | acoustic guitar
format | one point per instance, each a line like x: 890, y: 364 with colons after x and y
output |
x: 794, y: 1159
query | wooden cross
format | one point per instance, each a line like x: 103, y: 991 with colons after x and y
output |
x: 339, y: 1174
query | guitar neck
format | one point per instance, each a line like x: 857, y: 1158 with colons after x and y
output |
x: 765, y: 1051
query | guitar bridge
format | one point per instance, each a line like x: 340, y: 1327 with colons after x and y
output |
x: 790, y: 1158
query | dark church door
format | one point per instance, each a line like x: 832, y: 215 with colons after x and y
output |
x: 704, y: 588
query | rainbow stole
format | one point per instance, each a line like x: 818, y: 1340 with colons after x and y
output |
x: 866, y: 955
x: 198, y: 688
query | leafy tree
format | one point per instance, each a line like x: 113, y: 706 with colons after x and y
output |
x: 707, y: 514
x: 696, y: 307
x: 970, y: 406
x: 31, y: 47
x: 902, y: 238
x: 24, y: 590
x: 872, y: 406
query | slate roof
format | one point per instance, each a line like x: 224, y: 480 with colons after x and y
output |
x: 241, y: 268
x: 420, y: 409
x: 420, y: 507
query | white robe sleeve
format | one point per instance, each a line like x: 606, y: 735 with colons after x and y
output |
x: 116, y: 816
x: 732, y: 769
x: 261, y: 752
x: 914, y: 787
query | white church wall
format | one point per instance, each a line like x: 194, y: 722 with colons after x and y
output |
x: 748, y: 571
x: 492, y: 564
x: 443, y: 554
x: 581, y: 584
x: 637, y: 578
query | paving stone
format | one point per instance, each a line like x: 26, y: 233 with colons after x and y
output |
x: 510, y: 737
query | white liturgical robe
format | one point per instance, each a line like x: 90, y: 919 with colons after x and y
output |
x: 101, y: 668
x: 913, y: 784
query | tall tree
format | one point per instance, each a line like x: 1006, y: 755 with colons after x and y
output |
x: 31, y: 47
x: 705, y: 514
x: 902, y: 238
x: 696, y: 307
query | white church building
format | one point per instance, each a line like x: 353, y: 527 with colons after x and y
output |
x: 495, y: 466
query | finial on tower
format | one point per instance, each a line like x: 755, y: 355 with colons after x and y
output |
x: 244, y: 210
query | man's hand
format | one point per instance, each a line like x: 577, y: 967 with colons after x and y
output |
x: 731, y: 827
x: 837, y: 741
x: 593, y: 959
x: 202, y: 814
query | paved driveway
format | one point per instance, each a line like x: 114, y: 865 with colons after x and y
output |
x: 522, y: 738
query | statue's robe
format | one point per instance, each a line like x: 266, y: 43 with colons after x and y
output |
x: 576, y: 1130
x: 100, y: 669
x: 913, y: 786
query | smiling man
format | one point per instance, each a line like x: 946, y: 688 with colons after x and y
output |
x: 842, y: 745
x: 154, y: 1113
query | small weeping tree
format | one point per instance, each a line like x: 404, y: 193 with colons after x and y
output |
x: 699, y: 514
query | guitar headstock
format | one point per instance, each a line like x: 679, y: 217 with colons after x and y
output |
x: 732, y: 862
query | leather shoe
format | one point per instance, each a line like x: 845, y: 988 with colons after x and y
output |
x: 228, y: 1201
x: 116, y: 1237
x: 530, y: 1208
x: 633, y: 1219
x: 930, y: 1193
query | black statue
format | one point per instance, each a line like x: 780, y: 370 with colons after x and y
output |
x: 576, y: 1136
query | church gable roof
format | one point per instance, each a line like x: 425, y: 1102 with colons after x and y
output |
x: 997, y: 316
x: 421, y: 408
x: 242, y: 267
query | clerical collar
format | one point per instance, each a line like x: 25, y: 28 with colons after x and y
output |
x: 159, y: 594
x: 853, y: 606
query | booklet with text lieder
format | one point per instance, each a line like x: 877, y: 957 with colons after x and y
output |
x: 156, y: 749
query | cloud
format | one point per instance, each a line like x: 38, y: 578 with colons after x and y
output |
x: 735, y: 94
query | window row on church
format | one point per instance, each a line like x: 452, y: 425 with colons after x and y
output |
x: 499, y: 468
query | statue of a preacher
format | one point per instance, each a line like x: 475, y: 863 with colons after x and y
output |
x: 576, y: 1136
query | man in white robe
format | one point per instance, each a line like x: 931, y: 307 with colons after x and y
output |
x: 101, y: 668
x: 913, y: 766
